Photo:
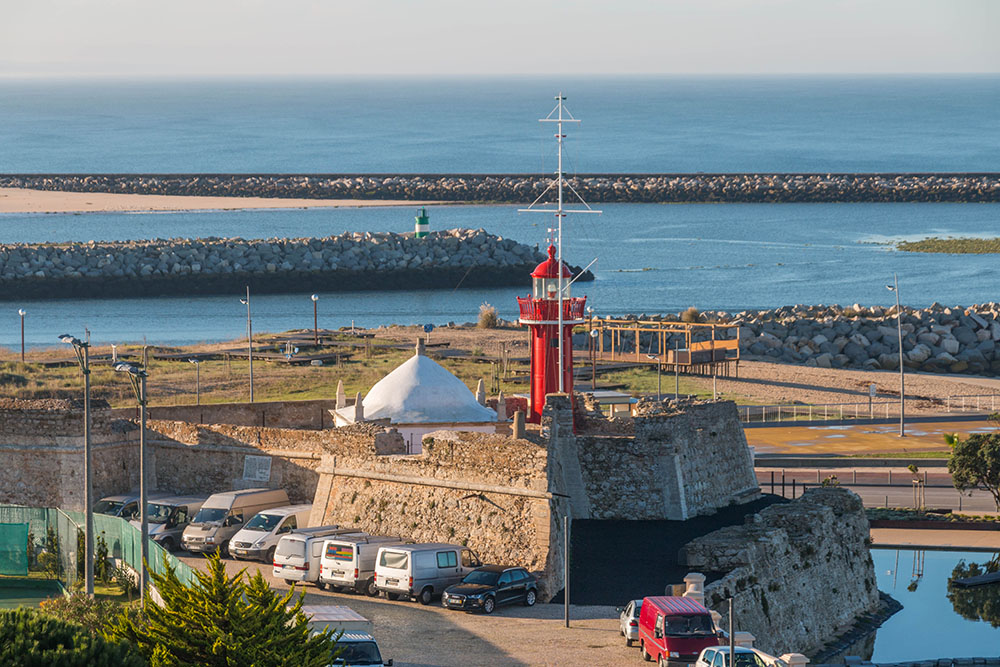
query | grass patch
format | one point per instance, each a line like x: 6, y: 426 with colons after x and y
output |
x: 901, y: 455
x: 905, y: 514
x: 960, y: 246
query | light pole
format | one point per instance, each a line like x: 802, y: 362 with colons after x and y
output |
x: 249, y: 340
x: 22, y: 312
x: 658, y: 393
x: 894, y: 287
x: 137, y: 378
x: 82, y: 350
x: 315, y: 299
x: 197, y: 379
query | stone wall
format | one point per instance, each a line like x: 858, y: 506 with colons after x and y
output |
x: 799, y: 572
x: 311, y: 414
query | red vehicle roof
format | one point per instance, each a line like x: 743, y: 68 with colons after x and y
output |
x: 673, y: 604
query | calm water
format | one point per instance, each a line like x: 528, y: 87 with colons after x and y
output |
x: 902, y: 123
x: 929, y: 626
x: 651, y: 258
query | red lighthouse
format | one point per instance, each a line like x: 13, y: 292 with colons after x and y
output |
x: 540, y: 311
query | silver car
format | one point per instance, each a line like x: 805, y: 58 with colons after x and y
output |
x: 629, y: 621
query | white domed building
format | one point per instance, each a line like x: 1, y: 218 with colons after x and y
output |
x: 420, y: 396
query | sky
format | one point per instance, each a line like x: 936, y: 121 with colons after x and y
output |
x: 280, y: 38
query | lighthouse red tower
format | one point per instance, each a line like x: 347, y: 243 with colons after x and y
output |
x: 540, y: 312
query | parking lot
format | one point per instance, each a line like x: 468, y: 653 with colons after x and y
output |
x: 413, y: 634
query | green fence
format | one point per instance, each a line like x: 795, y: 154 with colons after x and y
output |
x: 57, y: 538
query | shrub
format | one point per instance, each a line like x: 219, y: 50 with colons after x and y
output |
x: 488, y: 318
x: 28, y: 637
x: 691, y: 315
x: 95, y: 614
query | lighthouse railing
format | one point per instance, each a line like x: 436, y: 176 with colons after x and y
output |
x: 546, y: 310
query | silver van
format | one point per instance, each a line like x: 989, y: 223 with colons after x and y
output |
x: 298, y: 554
x: 259, y: 537
x: 349, y: 562
x: 223, y: 514
x: 124, y: 505
x: 421, y: 570
x: 168, y: 517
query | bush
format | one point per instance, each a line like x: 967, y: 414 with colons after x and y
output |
x: 488, y: 318
x: 94, y: 614
x: 691, y: 315
x: 28, y: 637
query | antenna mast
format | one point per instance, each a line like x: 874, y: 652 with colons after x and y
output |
x: 556, y: 116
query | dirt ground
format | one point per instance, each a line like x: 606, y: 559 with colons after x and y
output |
x: 414, y: 635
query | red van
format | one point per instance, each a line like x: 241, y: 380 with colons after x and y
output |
x: 674, y: 630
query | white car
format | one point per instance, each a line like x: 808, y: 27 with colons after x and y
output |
x: 718, y: 656
x: 629, y: 621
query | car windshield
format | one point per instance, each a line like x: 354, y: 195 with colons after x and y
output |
x: 481, y: 577
x: 206, y: 514
x: 746, y: 660
x: 358, y: 653
x: 111, y: 507
x: 700, y: 624
x: 156, y: 513
x: 264, y: 522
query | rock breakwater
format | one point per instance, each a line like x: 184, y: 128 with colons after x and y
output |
x: 936, y: 339
x: 507, y: 188
x: 350, y: 261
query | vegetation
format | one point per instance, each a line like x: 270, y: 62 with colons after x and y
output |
x: 32, y: 639
x: 94, y: 613
x: 907, y: 514
x: 976, y: 603
x: 961, y: 246
x: 690, y: 315
x: 975, y: 463
x: 221, y: 621
x: 488, y: 318
x: 903, y: 455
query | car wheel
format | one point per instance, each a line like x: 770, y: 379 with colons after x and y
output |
x: 167, y: 544
x: 426, y: 596
x: 662, y: 662
x: 224, y: 549
x: 392, y: 596
x: 370, y: 589
x: 489, y: 604
x: 290, y: 582
x: 321, y: 585
x: 646, y: 656
x: 628, y: 642
x: 269, y: 556
x: 529, y: 598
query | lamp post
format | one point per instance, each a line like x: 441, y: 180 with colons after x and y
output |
x: 249, y: 340
x: 894, y: 287
x: 22, y: 312
x: 82, y: 350
x: 658, y: 393
x: 197, y: 379
x: 137, y: 378
x: 315, y: 299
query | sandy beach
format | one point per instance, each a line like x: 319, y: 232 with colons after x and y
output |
x: 18, y: 200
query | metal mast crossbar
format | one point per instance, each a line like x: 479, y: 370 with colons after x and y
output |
x: 557, y: 116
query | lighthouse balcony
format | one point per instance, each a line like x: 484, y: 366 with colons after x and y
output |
x: 546, y: 311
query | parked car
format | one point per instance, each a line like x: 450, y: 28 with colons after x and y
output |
x: 259, y: 537
x: 422, y: 570
x: 356, y: 644
x: 298, y: 555
x: 487, y: 587
x: 719, y: 657
x: 349, y: 562
x: 223, y: 514
x: 674, y: 629
x: 359, y: 648
x: 168, y: 517
x: 628, y: 621
x: 125, y: 505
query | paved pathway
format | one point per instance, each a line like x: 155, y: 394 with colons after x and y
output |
x: 973, y: 540
x: 860, y: 439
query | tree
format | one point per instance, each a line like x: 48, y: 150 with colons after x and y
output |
x: 32, y: 639
x: 975, y: 463
x: 976, y: 603
x: 223, y: 621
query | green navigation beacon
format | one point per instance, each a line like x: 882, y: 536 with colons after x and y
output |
x: 423, y: 225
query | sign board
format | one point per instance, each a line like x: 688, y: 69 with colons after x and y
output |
x: 872, y: 390
x: 257, y: 468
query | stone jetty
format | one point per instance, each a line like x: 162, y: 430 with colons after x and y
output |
x: 936, y: 339
x: 509, y: 188
x: 350, y: 261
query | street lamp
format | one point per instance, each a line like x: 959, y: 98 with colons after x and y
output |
x: 315, y: 298
x: 658, y: 393
x: 82, y: 350
x: 137, y: 378
x: 22, y: 312
x: 894, y: 287
x: 197, y: 381
x: 249, y: 340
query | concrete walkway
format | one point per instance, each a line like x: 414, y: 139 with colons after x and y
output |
x: 910, y: 538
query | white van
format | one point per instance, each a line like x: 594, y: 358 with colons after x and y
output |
x: 222, y: 515
x: 298, y: 554
x: 258, y: 538
x: 168, y: 517
x: 349, y: 562
x: 422, y: 570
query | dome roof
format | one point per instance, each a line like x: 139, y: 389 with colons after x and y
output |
x: 547, y: 269
x: 421, y: 390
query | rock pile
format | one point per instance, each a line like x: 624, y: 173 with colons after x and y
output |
x: 951, y: 187
x: 212, y: 265
x: 936, y: 339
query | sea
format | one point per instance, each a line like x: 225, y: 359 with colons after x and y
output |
x: 650, y: 258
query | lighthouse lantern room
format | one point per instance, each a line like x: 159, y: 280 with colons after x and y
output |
x: 540, y: 312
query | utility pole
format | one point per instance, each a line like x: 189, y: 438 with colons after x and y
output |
x: 82, y: 350
x: 137, y: 378
x: 249, y: 340
x: 894, y: 287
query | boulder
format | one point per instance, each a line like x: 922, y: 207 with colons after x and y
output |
x: 950, y: 345
x: 919, y: 353
x: 964, y: 335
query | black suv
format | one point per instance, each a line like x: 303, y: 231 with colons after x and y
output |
x: 488, y: 586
